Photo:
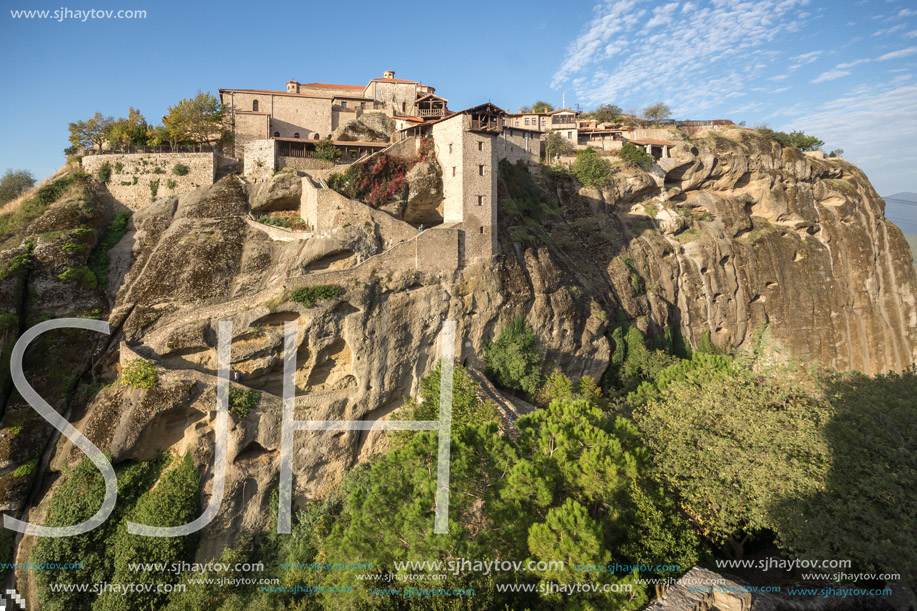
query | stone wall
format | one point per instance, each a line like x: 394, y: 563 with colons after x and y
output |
x: 259, y: 159
x: 518, y: 145
x: 325, y: 209
x: 469, y: 163
x: 136, y: 177
x: 304, y: 164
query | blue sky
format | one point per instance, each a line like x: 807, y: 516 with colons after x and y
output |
x: 844, y: 71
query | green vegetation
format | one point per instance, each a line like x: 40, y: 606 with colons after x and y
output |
x: 512, y: 360
x: 591, y: 169
x: 539, y: 106
x: 98, y: 259
x: 308, y: 295
x: 606, y: 113
x: 14, y: 183
x: 103, y: 174
x: 26, y: 468
x: 82, y: 275
x: 374, y: 182
x: 154, y: 189
x: 288, y: 221
x: 657, y: 112
x: 242, y: 401
x: 325, y: 149
x: 139, y: 374
x: 180, y: 169
x: 556, y: 145
x: 14, y: 222
x: 467, y: 408
x: 793, y: 139
x: 106, y: 551
x: 634, y: 155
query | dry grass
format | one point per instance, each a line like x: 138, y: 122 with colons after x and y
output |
x: 15, y: 204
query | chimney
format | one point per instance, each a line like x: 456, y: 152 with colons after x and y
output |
x: 388, y: 74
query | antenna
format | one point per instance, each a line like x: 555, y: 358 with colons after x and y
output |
x: 563, y: 103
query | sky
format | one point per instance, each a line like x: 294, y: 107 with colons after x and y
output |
x: 841, y: 70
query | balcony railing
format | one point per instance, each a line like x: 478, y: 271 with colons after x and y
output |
x: 431, y: 112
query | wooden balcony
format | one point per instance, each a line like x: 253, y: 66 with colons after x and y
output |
x: 431, y: 112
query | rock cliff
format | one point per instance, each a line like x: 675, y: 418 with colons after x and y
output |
x: 764, y: 249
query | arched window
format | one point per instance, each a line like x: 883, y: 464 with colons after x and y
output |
x: 315, y: 136
x: 296, y: 135
x: 254, y: 105
x: 276, y: 134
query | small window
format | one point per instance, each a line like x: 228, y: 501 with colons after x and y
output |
x: 276, y: 134
x: 480, y: 170
x: 450, y: 148
x: 526, y: 120
x: 569, y: 135
x: 362, y: 105
x: 481, y: 229
x: 315, y: 136
x: 296, y: 135
x: 404, y: 107
x: 453, y: 170
x: 481, y: 145
x: 254, y: 105
x: 343, y: 103
x: 480, y: 200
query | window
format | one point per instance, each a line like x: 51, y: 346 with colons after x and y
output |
x: 404, y: 107
x: 254, y: 105
x: 296, y: 135
x: 362, y: 105
x: 453, y: 170
x: 526, y: 120
x: 480, y: 200
x: 276, y: 134
x: 569, y: 135
x: 343, y: 103
x: 480, y: 170
x: 315, y: 136
x: 481, y: 145
x: 450, y: 147
x: 481, y: 229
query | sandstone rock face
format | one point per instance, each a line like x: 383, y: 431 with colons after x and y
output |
x: 368, y: 127
x: 425, y: 194
x: 761, y: 248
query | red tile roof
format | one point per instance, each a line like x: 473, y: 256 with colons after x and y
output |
x: 304, y: 95
x: 393, y: 80
x: 332, y: 86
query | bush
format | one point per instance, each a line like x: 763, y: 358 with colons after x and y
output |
x: 154, y: 189
x: 590, y: 169
x: 375, y: 182
x: 139, y: 374
x: 793, y: 139
x: 83, y: 275
x: 25, y: 468
x: 308, y: 295
x: 103, y: 174
x: 14, y: 183
x: 242, y: 401
x: 180, y: 169
x: 512, y: 360
x: 324, y: 149
x: 633, y: 155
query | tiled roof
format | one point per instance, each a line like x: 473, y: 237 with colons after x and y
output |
x: 393, y: 80
x: 332, y: 86
x: 304, y: 95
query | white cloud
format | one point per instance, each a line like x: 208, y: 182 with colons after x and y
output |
x: 897, y: 54
x: 855, y: 62
x: 891, y: 30
x: 669, y: 47
x: 830, y: 75
x: 911, y: 34
x: 805, y: 58
x: 906, y: 12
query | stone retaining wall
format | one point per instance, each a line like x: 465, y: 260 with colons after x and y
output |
x: 137, y: 179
